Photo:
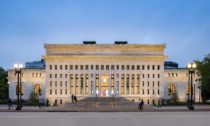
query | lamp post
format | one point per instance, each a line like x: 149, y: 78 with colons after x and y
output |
x: 191, y: 68
x: 18, y: 68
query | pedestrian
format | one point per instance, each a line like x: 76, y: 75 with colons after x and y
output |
x: 47, y: 103
x: 75, y: 98
x: 142, y: 104
x: 72, y: 98
x: 9, y: 103
x: 39, y: 103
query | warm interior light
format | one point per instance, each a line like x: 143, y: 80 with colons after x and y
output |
x: 104, y: 80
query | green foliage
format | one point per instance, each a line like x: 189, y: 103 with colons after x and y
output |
x: 203, y: 68
x: 3, y: 84
x: 175, y: 98
x: 33, y: 99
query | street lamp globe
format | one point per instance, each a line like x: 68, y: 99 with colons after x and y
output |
x: 20, y: 65
x: 193, y: 65
x: 189, y: 66
x: 15, y: 65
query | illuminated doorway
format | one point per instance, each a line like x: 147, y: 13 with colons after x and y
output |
x: 105, y: 86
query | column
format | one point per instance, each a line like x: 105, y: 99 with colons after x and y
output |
x: 130, y: 82
x: 110, y: 83
x: 120, y: 84
x: 79, y: 83
x: 94, y: 84
x: 74, y: 83
x: 135, y: 76
x: 89, y: 84
x: 99, y: 84
x: 125, y: 84
x: 84, y: 84
x: 115, y: 85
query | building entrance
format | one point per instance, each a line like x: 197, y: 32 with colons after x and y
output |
x: 105, y: 86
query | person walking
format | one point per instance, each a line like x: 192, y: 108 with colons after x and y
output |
x: 9, y: 103
x: 142, y: 104
x: 47, y: 103
x: 75, y: 98
x: 72, y: 98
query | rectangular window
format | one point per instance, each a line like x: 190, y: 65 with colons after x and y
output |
x: 66, y: 83
x: 153, y: 83
x: 112, y: 67
x: 71, y: 67
x: 61, y: 76
x: 148, y: 67
x: 153, y: 67
x: 81, y: 67
x: 138, y: 67
x: 66, y: 91
x: 158, y: 83
x: 56, y: 91
x: 61, y: 67
x: 97, y: 67
x: 158, y: 67
x: 60, y: 83
x: 122, y: 67
x: 102, y: 67
x: 50, y: 91
x: 61, y: 91
x: 55, y: 83
x: 142, y: 75
x: 55, y: 75
x: 153, y: 75
x: 91, y: 67
x: 50, y: 83
x: 147, y: 75
x: 158, y: 91
x: 76, y: 67
x: 107, y: 67
x: 86, y: 67
x: 158, y: 75
x: 55, y: 67
x: 147, y: 83
x: 117, y: 67
x: 127, y: 67
x: 50, y: 67
x: 133, y: 67
x: 143, y: 83
x: 147, y: 91
x: 66, y: 67
x: 66, y: 75
x: 142, y: 67
x: 50, y: 75
x: 142, y: 91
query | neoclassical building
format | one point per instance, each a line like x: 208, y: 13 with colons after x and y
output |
x: 125, y: 70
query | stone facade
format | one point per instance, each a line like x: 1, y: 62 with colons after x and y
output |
x: 104, y: 70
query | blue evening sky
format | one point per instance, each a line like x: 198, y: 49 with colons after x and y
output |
x: 25, y: 25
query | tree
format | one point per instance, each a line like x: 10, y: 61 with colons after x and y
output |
x: 203, y: 73
x: 3, y: 84
x: 33, y: 99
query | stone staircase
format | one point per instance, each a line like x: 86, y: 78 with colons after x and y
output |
x: 103, y: 104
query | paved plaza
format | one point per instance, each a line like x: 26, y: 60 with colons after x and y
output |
x: 105, y: 119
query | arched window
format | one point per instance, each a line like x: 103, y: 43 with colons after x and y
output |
x: 37, y: 89
x: 171, y: 89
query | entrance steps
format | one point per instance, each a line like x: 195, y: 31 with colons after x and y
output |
x: 103, y: 104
